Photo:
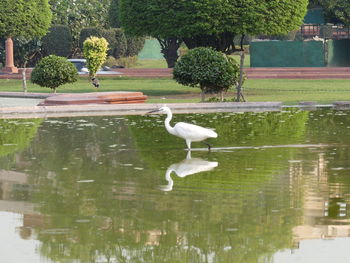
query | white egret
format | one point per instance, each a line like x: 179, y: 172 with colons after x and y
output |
x: 189, y: 132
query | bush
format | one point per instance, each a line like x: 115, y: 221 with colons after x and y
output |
x: 95, y: 52
x: 54, y: 71
x: 58, y: 41
x: 121, y: 43
x: 110, y: 62
x: 210, y: 70
x: 127, y: 62
x: 134, y: 45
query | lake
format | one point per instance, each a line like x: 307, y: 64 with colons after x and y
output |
x: 274, y: 188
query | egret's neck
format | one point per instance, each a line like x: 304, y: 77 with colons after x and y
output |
x: 167, y: 123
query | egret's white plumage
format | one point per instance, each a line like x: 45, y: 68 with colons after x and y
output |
x: 189, y: 132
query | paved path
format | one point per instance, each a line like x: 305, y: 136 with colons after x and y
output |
x: 252, y: 73
x: 132, y: 109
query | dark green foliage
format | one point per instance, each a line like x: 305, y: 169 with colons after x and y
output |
x: 113, y: 14
x: 54, y: 71
x: 211, y: 22
x: 79, y: 14
x: 121, y: 43
x: 134, y: 45
x: 24, y: 18
x: 206, y: 68
x: 336, y: 11
x: 58, y: 41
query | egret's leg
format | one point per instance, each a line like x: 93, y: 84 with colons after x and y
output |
x: 208, y: 144
x: 188, y: 142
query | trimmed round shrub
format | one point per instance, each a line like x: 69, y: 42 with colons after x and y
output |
x: 58, y: 41
x: 208, y: 69
x: 95, y: 52
x: 53, y: 71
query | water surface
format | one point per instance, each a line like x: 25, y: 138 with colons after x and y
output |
x: 275, y: 188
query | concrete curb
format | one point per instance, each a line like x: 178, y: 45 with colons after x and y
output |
x: 133, y: 109
x: 29, y: 95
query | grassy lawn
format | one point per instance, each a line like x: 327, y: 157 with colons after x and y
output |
x: 151, y: 63
x: 161, y: 63
x: 167, y: 90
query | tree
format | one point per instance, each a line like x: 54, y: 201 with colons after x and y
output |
x: 79, y: 14
x: 113, y: 14
x: 150, y: 20
x: 95, y: 51
x: 211, y: 23
x: 20, y: 18
x: 53, y: 71
x: 211, y: 70
x: 336, y: 11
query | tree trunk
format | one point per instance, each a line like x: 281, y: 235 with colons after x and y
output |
x: 240, y: 83
x: 169, y: 47
x: 202, y: 95
x: 221, y: 94
x: 24, y: 80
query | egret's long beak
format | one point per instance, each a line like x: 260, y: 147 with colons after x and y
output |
x: 152, y: 111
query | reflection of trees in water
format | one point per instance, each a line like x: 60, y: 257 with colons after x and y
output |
x: 99, y: 207
x: 15, y: 136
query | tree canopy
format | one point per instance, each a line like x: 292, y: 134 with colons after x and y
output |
x: 336, y: 11
x: 26, y: 18
x: 211, y: 22
x: 79, y: 14
x: 113, y: 14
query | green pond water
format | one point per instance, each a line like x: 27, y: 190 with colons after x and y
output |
x: 274, y: 188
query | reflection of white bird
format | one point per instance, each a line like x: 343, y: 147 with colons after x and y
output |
x: 186, y: 167
x: 187, y: 131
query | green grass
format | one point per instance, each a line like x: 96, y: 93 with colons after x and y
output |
x: 151, y: 63
x: 165, y: 90
x: 161, y: 63
x: 293, y: 91
x: 246, y: 60
x: 151, y: 87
